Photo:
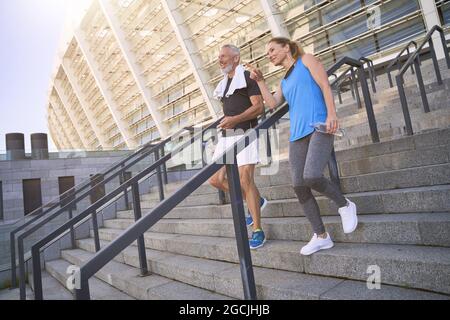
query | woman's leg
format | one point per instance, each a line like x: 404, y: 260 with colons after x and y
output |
x: 298, y: 151
x: 319, y: 153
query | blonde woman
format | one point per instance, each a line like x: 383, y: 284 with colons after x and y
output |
x: 306, y: 89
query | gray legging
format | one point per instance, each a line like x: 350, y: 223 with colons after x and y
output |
x: 308, y: 157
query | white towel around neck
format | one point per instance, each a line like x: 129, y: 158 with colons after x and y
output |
x: 238, y: 82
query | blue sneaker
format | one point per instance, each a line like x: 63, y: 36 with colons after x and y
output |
x: 262, y: 203
x: 258, y: 239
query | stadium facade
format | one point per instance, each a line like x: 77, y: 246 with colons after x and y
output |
x: 134, y: 71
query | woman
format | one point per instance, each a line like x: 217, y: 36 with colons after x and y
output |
x: 306, y: 89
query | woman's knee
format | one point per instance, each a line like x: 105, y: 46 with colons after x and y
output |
x: 303, y: 193
x: 313, y: 181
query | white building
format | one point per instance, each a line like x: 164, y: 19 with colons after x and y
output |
x: 133, y: 71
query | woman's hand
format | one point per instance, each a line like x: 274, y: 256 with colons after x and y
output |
x: 255, y: 73
x: 332, y: 124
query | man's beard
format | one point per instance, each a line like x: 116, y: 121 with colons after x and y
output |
x: 227, y: 69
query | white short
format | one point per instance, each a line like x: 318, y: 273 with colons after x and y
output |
x: 247, y: 156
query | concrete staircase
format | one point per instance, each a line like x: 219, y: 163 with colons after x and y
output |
x: 401, y: 188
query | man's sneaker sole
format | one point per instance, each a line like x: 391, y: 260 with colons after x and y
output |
x: 254, y: 248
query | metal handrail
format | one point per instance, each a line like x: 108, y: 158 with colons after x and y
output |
x: 67, y: 205
x: 91, y: 210
x: 414, y: 59
x: 365, y: 90
x: 70, y: 194
x: 105, y: 255
x: 372, y: 74
x: 337, y: 84
x: 136, y: 231
x: 396, y: 61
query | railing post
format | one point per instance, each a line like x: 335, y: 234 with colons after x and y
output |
x: 435, y: 61
x: 72, y: 231
x: 159, y: 177
x: 83, y: 293
x: 374, y: 73
x: 222, y: 197
x: 371, y: 71
x: 423, y: 93
x: 22, y: 276
x: 12, y: 244
x: 390, y: 77
x: 37, y: 274
x: 407, y: 50
x: 355, y: 83
x: 352, y: 87
x: 140, y: 241
x: 446, y: 53
x: 125, y: 192
x: 404, y: 103
x: 338, y: 90
x: 164, y: 166
x: 95, y: 229
x: 369, y: 106
x: 237, y: 206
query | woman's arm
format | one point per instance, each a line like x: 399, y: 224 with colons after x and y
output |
x: 321, y: 77
x: 272, y: 101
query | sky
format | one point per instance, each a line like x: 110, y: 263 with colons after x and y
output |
x: 30, y: 35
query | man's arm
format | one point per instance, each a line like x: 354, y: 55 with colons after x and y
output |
x: 254, y: 111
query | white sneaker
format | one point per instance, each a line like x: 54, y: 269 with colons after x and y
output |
x: 349, y: 217
x: 317, y: 244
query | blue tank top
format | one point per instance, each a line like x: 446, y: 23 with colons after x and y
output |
x: 305, y: 99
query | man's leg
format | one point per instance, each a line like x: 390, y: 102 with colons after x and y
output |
x: 250, y: 193
x: 219, y: 179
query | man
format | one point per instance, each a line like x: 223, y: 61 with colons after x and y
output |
x: 242, y: 103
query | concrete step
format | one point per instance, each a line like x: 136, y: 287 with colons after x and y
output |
x: 52, y: 289
x: 430, y: 229
x: 224, y: 277
x: 393, y: 126
x: 127, y: 278
x: 437, y: 137
x: 99, y: 290
x: 404, y: 178
x: 432, y: 155
x: 284, y: 255
x: 411, y: 151
x: 389, y: 101
x: 405, y: 200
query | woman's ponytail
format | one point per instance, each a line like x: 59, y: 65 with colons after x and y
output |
x: 296, y: 50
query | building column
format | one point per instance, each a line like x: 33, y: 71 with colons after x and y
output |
x: 103, y: 87
x: 62, y: 129
x: 191, y: 53
x: 431, y: 18
x: 67, y: 126
x: 84, y: 105
x: 72, y: 116
x: 54, y: 138
x: 135, y: 69
x: 274, y: 19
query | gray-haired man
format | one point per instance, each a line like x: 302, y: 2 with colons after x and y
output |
x: 242, y: 103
